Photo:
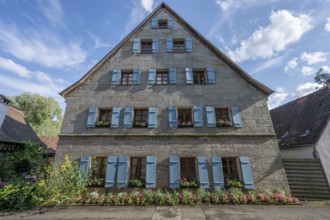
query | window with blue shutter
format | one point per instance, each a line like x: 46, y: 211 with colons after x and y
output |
x: 84, y: 166
x: 236, y: 116
x: 172, y: 76
x: 128, y: 117
x: 122, y: 172
x: 188, y: 45
x: 210, y: 117
x: 151, y: 76
x: 115, y: 117
x: 136, y: 45
x: 169, y: 45
x: 136, y: 76
x: 152, y: 117
x: 198, y: 116
x: 155, y: 45
x: 110, y: 173
x: 154, y: 23
x: 92, y: 117
x: 247, y: 172
x: 210, y: 76
x: 203, y: 172
x: 151, y: 172
x: 174, y: 172
x: 189, y: 76
x: 115, y: 77
x: 170, y: 23
x: 217, y: 172
x: 172, y: 117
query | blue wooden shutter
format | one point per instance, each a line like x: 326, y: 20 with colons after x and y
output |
x: 174, y: 172
x: 152, y: 117
x: 110, y: 174
x: 189, y: 76
x: 188, y: 44
x: 136, y: 76
x: 247, y: 172
x: 172, y: 76
x: 198, y: 116
x: 128, y: 117
x: 151, y: 76
x: 122, y: 172
x: 217, y: 172
x: 151, y: 172
x: 172, y: 119
x: 84, y: 166
x: 115, y: 117
x: 210, y: 76
x: 154, y: 23
x: 210, y: 117
x: 92, y: 117
x: 136, y: 45
x: 236, y: 116
x: 115, y: 77
x: 155, y: 45
x: 170, y: 23
x: 203, y: 172
x: 169, y: 45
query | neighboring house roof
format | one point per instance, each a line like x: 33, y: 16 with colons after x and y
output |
x: 16, y: 129
x: 182, y: 22
x: 51, y: 143
x: 303, y: 120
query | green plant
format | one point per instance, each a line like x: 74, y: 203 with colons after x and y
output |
x: 223, y: 123
x: 233, y: 184
x: 137, y: 182
x: 65, y: 183
x: 102, y: 124
x: 185, y: 183
x: 159, y: 198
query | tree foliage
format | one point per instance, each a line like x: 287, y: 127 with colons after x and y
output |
x: 321, y: 77
x: 43, y: 113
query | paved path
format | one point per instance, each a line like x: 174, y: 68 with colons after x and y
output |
x: 246, y: 212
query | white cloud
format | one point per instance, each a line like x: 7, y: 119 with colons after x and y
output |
x: 313, y: 58
x: 225, y: 4
x: 13, y: 67
x: 284, y: 28
x: 292, y: 64
x: 307, y: 70
x: 305, y: 89
x: 97, y: 41
x: 326, y: 69
x: 327, y: 25
x: 147, y: 4
x: 53, y: 12
x: 278, y: 98
x: 41, y: 47
x: 269, y: 63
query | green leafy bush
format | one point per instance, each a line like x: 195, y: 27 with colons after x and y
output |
x: 136, y: 183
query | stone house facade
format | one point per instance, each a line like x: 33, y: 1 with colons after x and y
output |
x: 167, y: 105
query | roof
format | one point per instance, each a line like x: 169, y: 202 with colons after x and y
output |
x: 51, y: 143
x: 303, y: 120
x: 16, y: 129
x: 182, y: 22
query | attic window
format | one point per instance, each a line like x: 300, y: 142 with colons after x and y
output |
x: 179, y: 46
x: 162, y: 24
x: 146, y: 46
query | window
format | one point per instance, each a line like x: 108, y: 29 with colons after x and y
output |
x: 126, y: 78
x: 179, y: 46
x: 229, y: 167
x: 97, y: 176
x: 162, y: 77
x: 188, y: 168
x: 222, y: 117
x: 162, y: 24
x: 138, y: 168
x: 146, y: 46
x: 140, y: 118
x: 184, y: 118
x: 199, y: 77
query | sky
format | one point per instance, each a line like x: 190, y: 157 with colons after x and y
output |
x: 47, y: 45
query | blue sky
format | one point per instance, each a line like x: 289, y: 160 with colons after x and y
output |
x: 45, y: 46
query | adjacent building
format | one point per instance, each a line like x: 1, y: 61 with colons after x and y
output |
x: 168, y: 106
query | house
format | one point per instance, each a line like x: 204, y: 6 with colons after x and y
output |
x: 51, y: 142
x: 14, y: 129
x: 165, y: 104
x: 302, y: 127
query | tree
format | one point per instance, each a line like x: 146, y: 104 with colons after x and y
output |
x: 43, y: 113
x: 321, y: 77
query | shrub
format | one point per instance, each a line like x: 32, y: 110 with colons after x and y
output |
x: 233, y: 184
x: 136, y: 182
